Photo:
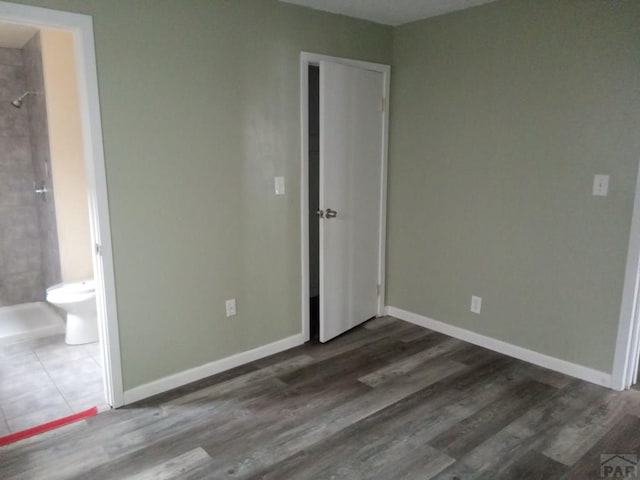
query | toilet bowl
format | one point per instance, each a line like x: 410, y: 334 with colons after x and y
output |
x: 78, y: 300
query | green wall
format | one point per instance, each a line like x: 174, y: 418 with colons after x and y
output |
x: 200, y: 110
x: 501, y: 116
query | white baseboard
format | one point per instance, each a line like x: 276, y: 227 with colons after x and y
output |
x: 546, y: 361
x: 182, y: 378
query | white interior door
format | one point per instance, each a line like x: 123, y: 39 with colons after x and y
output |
x: 351, y: 139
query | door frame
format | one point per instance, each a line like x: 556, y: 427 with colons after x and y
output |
x: 308, y: 59
x: 81, y: 27
x: 627, y: 349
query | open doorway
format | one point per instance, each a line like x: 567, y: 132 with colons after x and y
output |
x: 314, y: 203
x: 51, y: 368
x: 82, y: 261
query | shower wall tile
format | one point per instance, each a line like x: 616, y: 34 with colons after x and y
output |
x: 22, y: 258
x: 21, y: 245
x: 19, y: 222
x: 11, y: 82
x: 14, y: 122
x: 37, y: 109
x: 41, y: 157
x: 15, y: 154
x: 39, y: 136
x: 21, y: 239
x: 21, y: 288
x: 10, y: 56
x: 17, y: 188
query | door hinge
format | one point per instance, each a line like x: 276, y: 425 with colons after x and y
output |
x: 382, y: 104
x: 98, y: 249
x: 378, y: 290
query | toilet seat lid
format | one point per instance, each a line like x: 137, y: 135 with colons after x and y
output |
x: 84, y: 286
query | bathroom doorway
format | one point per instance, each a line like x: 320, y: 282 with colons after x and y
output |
x: 47, y: 371
x: 54, y: 217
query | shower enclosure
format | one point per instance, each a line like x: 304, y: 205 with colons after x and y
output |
x: 29, y: 258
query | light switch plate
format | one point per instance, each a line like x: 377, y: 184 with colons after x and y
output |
x: 279, y: 184
x: 600, y: 185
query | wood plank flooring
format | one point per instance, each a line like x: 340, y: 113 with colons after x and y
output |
x: 387, y: 400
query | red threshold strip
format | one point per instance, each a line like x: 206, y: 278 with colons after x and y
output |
x: 14, y: 437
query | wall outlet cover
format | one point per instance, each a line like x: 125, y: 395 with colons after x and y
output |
x: 230, y: 306
x: 279, y: 185
x: 476, y: 304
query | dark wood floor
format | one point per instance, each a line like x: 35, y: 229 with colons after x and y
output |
x: 386, y: 401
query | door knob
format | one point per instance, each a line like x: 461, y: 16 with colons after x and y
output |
x: 330, y: 213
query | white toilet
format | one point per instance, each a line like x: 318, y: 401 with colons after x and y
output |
x: 79, y: 301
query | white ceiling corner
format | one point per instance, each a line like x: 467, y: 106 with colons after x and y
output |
x: 389, y: 12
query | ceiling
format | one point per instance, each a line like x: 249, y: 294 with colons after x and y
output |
x: 389, y: 12
x: 15, y: 36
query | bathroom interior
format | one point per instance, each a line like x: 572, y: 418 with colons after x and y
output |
x: 50, y: 354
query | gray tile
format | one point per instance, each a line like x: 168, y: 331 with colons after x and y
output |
x: 14, y: 122
x: 77, y: 376
x: 46, y: 342
x: 21, y: 363
x: 13, y: 386
x: 25, y: 215
x: 83, y: 399
x: 32, y: 54
x: 32, y: 57
x: 41, y: 160
x: 73, y: 385
x: 40, y: 146
x: 26, y: 255
x: 21, y: 288
x: 17, y: 189
x: 11, y: 56
x: 15, y: 153
x: 29, y: 253
x: 81, y: 393
x: 95, y: 351
x: 59, y: 360
x: 39, y: 140
x: 28, y: 393
x: 38, y: 126
x: 46, y: 414
x: 33, y: 400
x: 12, y: 82
x: 10, y: 351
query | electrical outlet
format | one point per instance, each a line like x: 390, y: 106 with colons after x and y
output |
x: 231, y: 307
x: 279, y: 185
x: 476, y: 304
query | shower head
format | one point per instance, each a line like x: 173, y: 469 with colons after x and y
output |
x: 20, y: 100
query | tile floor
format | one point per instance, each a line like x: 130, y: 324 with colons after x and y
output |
x: 45, y: 379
